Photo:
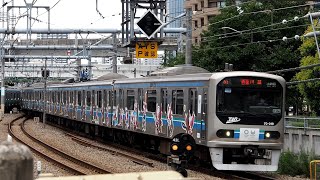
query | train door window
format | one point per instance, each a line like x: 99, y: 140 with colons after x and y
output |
x: 151, y: 100
x: 205, y: 102
x: 110, y: 98
x: 75, y: 97
x: 140, y: 98
x: 84, y: 99
x: 164, y: 101
x: 94, y: 98
x: 121, y: 98
x: 79, y: 98
x: 130, y: 99
x: 58, y: 97
x: 53, y: 99
x: 64, y: 97
x: 193, y: 101
x: 99, y: 99
x: 88, y: 98
x: 105, y: 98
x: 177, y: 101
x: 71, y: 97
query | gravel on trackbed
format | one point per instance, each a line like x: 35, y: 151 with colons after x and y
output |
x: 117, y: 164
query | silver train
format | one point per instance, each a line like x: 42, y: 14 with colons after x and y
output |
x: 236, y: 118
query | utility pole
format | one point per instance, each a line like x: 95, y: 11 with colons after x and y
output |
x: 44, y: 93
x: 189, y: 37
x: 114, y: 56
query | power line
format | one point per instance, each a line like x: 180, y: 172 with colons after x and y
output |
x: 264, y: 11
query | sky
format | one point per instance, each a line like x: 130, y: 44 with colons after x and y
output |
x: 72, y: 14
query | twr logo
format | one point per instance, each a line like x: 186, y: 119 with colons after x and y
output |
x: 233, y: 120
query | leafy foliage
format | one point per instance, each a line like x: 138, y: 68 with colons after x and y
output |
x: 309, y: 90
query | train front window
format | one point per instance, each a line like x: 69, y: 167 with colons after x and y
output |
x: 250, y: 100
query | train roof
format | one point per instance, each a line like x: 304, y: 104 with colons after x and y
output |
x: 192, y: 76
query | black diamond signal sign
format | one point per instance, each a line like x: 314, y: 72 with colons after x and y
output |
x: 149, y: 24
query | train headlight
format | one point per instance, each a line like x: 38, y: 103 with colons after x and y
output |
x: 268, y: 135
x: 271, y: 135
x: 225, y: 133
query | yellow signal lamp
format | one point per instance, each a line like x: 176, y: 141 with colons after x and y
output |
x: 188, y: 147
x: 174, y: 147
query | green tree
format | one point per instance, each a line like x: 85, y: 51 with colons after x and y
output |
x: 253, y: 49
x: 309, y: 90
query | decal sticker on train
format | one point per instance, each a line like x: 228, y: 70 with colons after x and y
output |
x: 233, y: 120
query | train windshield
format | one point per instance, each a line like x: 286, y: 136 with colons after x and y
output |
x: 249, y: 100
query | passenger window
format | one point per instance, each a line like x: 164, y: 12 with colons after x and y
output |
x: 152, y: 100
x: 121, y: 98
x: 130, y: 99
x: 58, y: 97
x: 177, y: 101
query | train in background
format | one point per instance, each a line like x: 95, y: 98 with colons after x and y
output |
x: 236, y: 118
x: 12, y: 99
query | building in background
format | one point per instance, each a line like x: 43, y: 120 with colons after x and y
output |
x: 174, y: 9
x: 203, y: 11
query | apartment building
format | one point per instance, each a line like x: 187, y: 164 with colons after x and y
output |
x: 203, y: 11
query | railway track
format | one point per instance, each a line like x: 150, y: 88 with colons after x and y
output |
x: 87, y: 143
x: 65, y: 161
x: 237, y: 175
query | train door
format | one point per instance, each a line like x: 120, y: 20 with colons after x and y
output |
x: 94, y: 106
x: 105, y: 107
x: 78, y: 106
x: 99, y: 106
x: 131, y: 101
x: 115, y: 107
x: 83, y: 105
x: 122, y: 95
x: 149, y: 108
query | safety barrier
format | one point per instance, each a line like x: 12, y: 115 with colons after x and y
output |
x: 314, y: 169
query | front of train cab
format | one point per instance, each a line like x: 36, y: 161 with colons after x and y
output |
x: 245, y: 121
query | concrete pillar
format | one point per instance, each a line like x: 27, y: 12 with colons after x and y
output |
x: 311, y: 145
x: 16, y: 162
x: 290, y: 142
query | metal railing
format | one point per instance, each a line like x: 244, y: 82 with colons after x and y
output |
x: 302, y: 122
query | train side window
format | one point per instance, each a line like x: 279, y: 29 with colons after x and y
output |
x: 65, y: 97
x: 110, y: 98
x: 75, y: 98
x: 193, y: 101
x: 151, y: 100
x: 99, y: 99
x: 79, y: 98
x: 88, y: 98
x: 177, y: 101
x: 164, y: 102
x: 130, y: 99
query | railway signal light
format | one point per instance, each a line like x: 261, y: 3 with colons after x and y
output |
x: 182, y: 145
x: 149, y: 24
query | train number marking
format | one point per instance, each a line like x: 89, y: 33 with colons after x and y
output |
x: 268, y: 123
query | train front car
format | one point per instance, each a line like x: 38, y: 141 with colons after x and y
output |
x: 245, y: 120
